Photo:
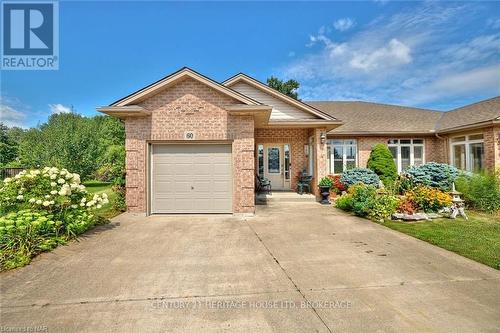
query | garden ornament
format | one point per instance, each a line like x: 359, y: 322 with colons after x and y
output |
x: 457, y: 206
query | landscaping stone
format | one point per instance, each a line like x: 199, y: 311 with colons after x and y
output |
x: 410, y: 217
x: 418, y: 216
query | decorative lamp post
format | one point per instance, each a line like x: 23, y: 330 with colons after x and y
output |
x: 457, y: 206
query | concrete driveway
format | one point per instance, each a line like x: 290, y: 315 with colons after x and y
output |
x: 295, y: 267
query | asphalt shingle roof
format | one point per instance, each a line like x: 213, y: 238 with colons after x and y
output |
x: 371, y: 118
x: 375, y: 118
x: 471, y: 114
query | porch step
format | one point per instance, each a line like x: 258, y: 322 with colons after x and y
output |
x: 278, y: 196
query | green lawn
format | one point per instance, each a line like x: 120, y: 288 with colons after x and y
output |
x: 101, y: 187
x: 477, y: 239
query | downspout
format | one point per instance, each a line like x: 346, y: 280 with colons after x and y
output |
x: 436, y: 134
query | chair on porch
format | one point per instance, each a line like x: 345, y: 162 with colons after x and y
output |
x: 304, y: 183
x: 262, y: 184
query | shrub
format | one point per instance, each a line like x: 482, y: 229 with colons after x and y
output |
x: 406, y: 206
x: 42, y: 209
x: 382, y: 207
x: 428, y: 199
x: 344, y: 202
x: 325, y: 182
x: 119, y: 203
x: 402, y: 184
x: 49, y: 189
x: 363, y: 200
x: 359, y: 175
x: 481, y: 191
x: 25, y: 233
x: 104, y: 173
x: 382, y: 163
x: 437, y: 175
x: 337, y: 187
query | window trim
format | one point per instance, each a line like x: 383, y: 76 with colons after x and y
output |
x: 344, y: 145
x: 412, y: 145
x: 467, y: 143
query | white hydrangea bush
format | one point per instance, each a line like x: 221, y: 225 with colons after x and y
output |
x: 50, y: 189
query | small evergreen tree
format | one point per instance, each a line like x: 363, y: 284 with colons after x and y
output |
x: 382, y: 163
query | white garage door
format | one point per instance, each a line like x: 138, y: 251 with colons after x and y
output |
x: 191, y: 178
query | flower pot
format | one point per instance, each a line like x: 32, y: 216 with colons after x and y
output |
x: 325, y: 194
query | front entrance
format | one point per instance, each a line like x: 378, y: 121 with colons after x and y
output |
x: 276, y: 158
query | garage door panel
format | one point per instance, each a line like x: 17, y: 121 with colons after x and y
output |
x: 221, y: 186
x: 189, y: 178
x: 203, y: 186
x: 221, y: 169
x: 204, y: 170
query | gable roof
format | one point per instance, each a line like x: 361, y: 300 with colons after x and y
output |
x: 240, y: 77
x: 374, y: 118
x: 475, y: 114
x: 171, y: 79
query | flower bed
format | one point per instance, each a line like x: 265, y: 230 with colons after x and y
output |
x: 41, y: 208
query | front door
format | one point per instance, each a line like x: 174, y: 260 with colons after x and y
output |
x: 274, y: 165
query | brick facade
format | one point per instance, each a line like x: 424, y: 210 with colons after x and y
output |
x: 296, y: 138
x: 497, y: 147
x: 434, y: 148
x: 190, y: 106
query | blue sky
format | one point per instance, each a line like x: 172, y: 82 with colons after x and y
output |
x: 438, y: 55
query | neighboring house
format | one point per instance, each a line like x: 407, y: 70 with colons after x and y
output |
x: 195, y: 145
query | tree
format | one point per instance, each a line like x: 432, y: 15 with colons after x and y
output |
x: 382, y: 163
x: 8, y: 147
x: 288, y: 88
x: 69, y: 140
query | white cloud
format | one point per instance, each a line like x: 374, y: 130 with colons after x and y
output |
x: 11, y: 112
x: 400, y: 58
x: 481, y: 80
x: 11, y: 117
x: 59, y: 108
x: 494, y: 23
x: 344, y: 24
x: 395, y: 53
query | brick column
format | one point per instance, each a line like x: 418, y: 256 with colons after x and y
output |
x: 489, y: 148
x: 497, y: 147
x: 320, y: 159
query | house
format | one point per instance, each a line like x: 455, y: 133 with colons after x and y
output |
x: 194, y: 145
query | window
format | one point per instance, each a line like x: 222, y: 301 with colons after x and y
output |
x: 467, y: 152
x: 342, y: 155
x: 273, y: 160
x: 407, y: 152
x: 260, y: 158
x: 286, y: 148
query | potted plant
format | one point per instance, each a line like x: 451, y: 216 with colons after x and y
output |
x: 324, y: 187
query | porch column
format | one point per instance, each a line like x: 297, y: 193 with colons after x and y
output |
x: 320, y: 158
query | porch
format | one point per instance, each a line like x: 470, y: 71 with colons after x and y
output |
x: 282, y: 155
x: 280, y: 197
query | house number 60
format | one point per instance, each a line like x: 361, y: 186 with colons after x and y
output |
x: 189, y: 136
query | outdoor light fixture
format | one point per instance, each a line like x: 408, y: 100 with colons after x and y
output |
x: 322, y: 136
